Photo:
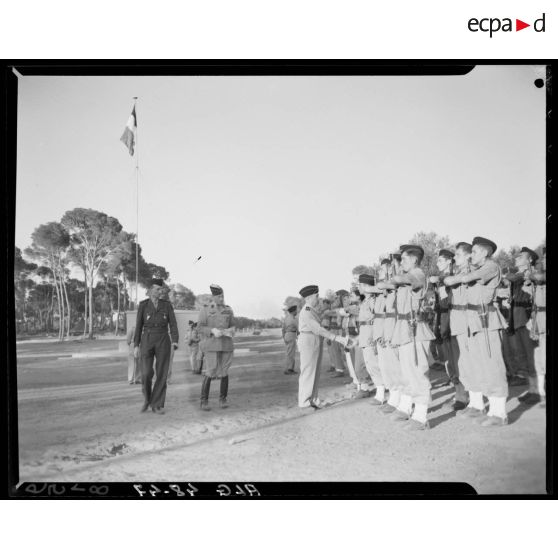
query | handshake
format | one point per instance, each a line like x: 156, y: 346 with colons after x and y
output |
x: 347, y: 342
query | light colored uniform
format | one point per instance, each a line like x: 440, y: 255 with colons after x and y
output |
x: 310, y: 341
x: 366, y: 340
x: 335, y: 349
x: 290, y: 331
x: 488, y: 370
x: 416, y: 382
x: 460, y: 334
x: 349, y: 328
x: 217, y: 351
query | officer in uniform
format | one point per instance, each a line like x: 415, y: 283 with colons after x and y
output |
x: 194, y: 344
x: 290, y: 333
x: 337, y: 352
x: 325, y: 305
x: 155, y: 320
x: 412, y: 336
x: 537, y: 325
x: 216, y: 327
x: 522, y: 292
x: 487, y: 374
x: 310, y: 342
x: 447, y: 341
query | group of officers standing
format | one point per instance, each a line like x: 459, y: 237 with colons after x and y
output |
x: 380, y: 333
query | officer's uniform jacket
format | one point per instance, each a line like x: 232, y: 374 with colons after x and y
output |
x: 309, y: 322
x: 220, y: 317
x: 484, y: 290
x: 365, y: 322
x: 379, y: 317
x: 155, y: 320
x: 458, y: 309
x: 408, y: 305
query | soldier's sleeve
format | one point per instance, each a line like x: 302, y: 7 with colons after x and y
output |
x: 173, y: 325
x: 316, y: 328
x: 485, y: 273
x: 203, y: 329
x: 139, y: 325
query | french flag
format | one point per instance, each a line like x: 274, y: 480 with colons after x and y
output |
x: 129, y: 135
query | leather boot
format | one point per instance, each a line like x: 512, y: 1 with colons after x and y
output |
x: 224, y: 392
x: 206, y: 384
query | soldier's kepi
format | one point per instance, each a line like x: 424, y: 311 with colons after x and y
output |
x: 484, y: 320
x: 216, y: 327
x: 310, y: 347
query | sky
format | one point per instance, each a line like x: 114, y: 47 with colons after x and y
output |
x: 279, y: 182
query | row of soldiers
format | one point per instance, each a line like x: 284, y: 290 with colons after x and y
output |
x: 380, y: 333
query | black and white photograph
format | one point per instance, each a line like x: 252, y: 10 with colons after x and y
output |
x: 252, y: 277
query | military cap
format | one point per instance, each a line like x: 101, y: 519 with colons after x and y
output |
x: 465, y: 245
x: 342, y: 292
x: 366, y: 279
x: 484, y: 242
x: 385, y: 261
x: 308, y: 290
x: 396, y: 255
x: 215, y: 289
x: 534, y: 256
x: 446, y: 253
x: 156, y: 281
x: 412, y: 249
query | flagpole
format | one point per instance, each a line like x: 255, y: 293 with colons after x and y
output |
x: 137, y: 203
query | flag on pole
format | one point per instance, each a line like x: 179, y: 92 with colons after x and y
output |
x: 129, y: 135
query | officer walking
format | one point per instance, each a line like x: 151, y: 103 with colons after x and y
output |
x: 216, y: 326
x: 155, y: 319
x: 310, y: 342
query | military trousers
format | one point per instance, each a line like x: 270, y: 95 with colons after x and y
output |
x: 469, y: 376
x: 526, y: 347
x: 489, y: 369
x: 155, y: 345
x: 390, y: 368
x: 336, y: 356
x: 415, y: 375
x: 372, y: 365
x: 310, y: 349
x: 290, y: 346
x: 216, y: 364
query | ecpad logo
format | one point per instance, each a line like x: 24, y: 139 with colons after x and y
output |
x: 493, y: 25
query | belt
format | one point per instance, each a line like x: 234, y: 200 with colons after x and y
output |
x: 522, y: 304
x: 458, y: 307
x: 155, y: 329
x: 444, y: 310
x: 390, y: 315
x: 539, y: 308
x: 478, y: 308
x: 409, y: 316
x: 365, y: 322
x: 382, y: 315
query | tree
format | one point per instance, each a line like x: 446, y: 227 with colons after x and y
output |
x: 49, y: 247
x: 181, y: 297
x: 94, y: 237
x: 431, y: 243
x: 22, y: 285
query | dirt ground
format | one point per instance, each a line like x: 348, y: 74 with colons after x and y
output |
x: 79, y: 420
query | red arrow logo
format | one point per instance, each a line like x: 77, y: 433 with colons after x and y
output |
x: 519, y: 25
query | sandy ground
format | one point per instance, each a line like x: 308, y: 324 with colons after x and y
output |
x: 79, y: 420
